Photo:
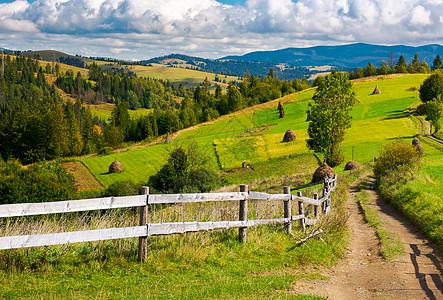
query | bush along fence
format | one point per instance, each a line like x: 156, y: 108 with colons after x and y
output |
x: 145, y: 229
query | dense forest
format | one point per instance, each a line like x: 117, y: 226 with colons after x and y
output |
x: 36, y: 124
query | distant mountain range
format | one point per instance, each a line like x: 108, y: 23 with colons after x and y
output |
x: 347, y: 56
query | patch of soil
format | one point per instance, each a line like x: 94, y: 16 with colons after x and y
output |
x: 83, y: 177
x: 363, y: 274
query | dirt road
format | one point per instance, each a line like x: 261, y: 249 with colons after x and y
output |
x: 364, y: 274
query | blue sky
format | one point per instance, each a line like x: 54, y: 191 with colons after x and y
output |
x: 141, y: 29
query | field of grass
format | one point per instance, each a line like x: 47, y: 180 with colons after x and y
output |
x: 187, y: 77
x: 103, y: 111
x: 257, y: 134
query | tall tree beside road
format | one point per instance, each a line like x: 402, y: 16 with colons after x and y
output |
x: 330, y: 116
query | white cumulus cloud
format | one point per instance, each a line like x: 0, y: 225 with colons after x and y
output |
x: 212, y: 29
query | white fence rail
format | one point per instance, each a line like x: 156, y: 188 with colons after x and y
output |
x: 146, y: 230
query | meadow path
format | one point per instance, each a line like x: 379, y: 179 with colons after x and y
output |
x: 364, y: 274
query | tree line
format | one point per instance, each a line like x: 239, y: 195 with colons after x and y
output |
x: 414, y: 66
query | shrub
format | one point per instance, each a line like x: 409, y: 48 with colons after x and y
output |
x: 123, y: 188
x: 105, y: 151
x: 37, y: 183
x: 335, y: 156
x: 397, y: 156
x: 185, y: 172
x: 432, y: 87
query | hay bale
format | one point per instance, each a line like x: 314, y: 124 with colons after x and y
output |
x: 289, y: 136
x: 115, y: 167
x: 418, y: 147
x: 376, y: 91
x: 352, y: 165
x: 282, y: 113
x: 322, y: 171
x: 168, y: 138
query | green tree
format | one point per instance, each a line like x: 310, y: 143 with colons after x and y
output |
x: 432, y: 87
x: 437, y: 63
x: 235, y: 98
x: 384, y: 68
x: 370, y: 70
x: 330, y: 116
x: 433, y: 110
x: 400, y: 67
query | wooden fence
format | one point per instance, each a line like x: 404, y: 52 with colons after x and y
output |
x: 145, y: 230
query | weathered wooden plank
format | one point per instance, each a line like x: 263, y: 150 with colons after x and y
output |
x: 307, y: 185
x: 29, y: 209
x: 201, y: 197
x: 307, y: 200
x: 266, y: 196
x: 24, y: 241
x: 174, y: 228
x: 297, y: 217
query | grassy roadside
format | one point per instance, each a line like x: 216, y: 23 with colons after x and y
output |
x: 419, y: 197
x: 390, y: 247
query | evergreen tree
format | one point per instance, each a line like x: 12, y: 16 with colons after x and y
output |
x: 400, y: 67
x: 437, y: 63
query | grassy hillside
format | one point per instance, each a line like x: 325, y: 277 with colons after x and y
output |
x: 255, y: 135
x: 187, y: 77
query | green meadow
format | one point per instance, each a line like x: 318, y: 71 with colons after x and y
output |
x: 187, y: 77
x: 256, y: 136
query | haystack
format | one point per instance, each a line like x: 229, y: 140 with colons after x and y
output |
x: 115, y: 167
x: 322, y: 171
x: 376, y: 91
x: 352, y: 165
x: 168, y: 138
x: 289, y: 136
x: 282, y: 113
x: 418, y: 147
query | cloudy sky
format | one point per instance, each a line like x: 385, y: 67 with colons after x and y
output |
x: 141, y: 29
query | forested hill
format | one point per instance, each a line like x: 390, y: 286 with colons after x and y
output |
x: 234, y: 67
x: 37, y: 124
x: 348, y: 56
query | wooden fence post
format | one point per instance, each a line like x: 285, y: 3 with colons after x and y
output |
x: 243, y: 214
x: 287, y: 210
x: 301, y: 212
x: 316, y: 207
x: 143, y: 240
x: 325, y: 192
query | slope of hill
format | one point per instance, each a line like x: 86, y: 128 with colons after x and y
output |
x: 349, y: 56
x: 230, y: 140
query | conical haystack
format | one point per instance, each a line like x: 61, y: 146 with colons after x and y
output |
x: 322, y: 171
x: 418, y: 147
x: 289, y: 136
x: 376, y: 91
x: 168, y: 138
x: 115, y: 167
x: 352, y: 165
